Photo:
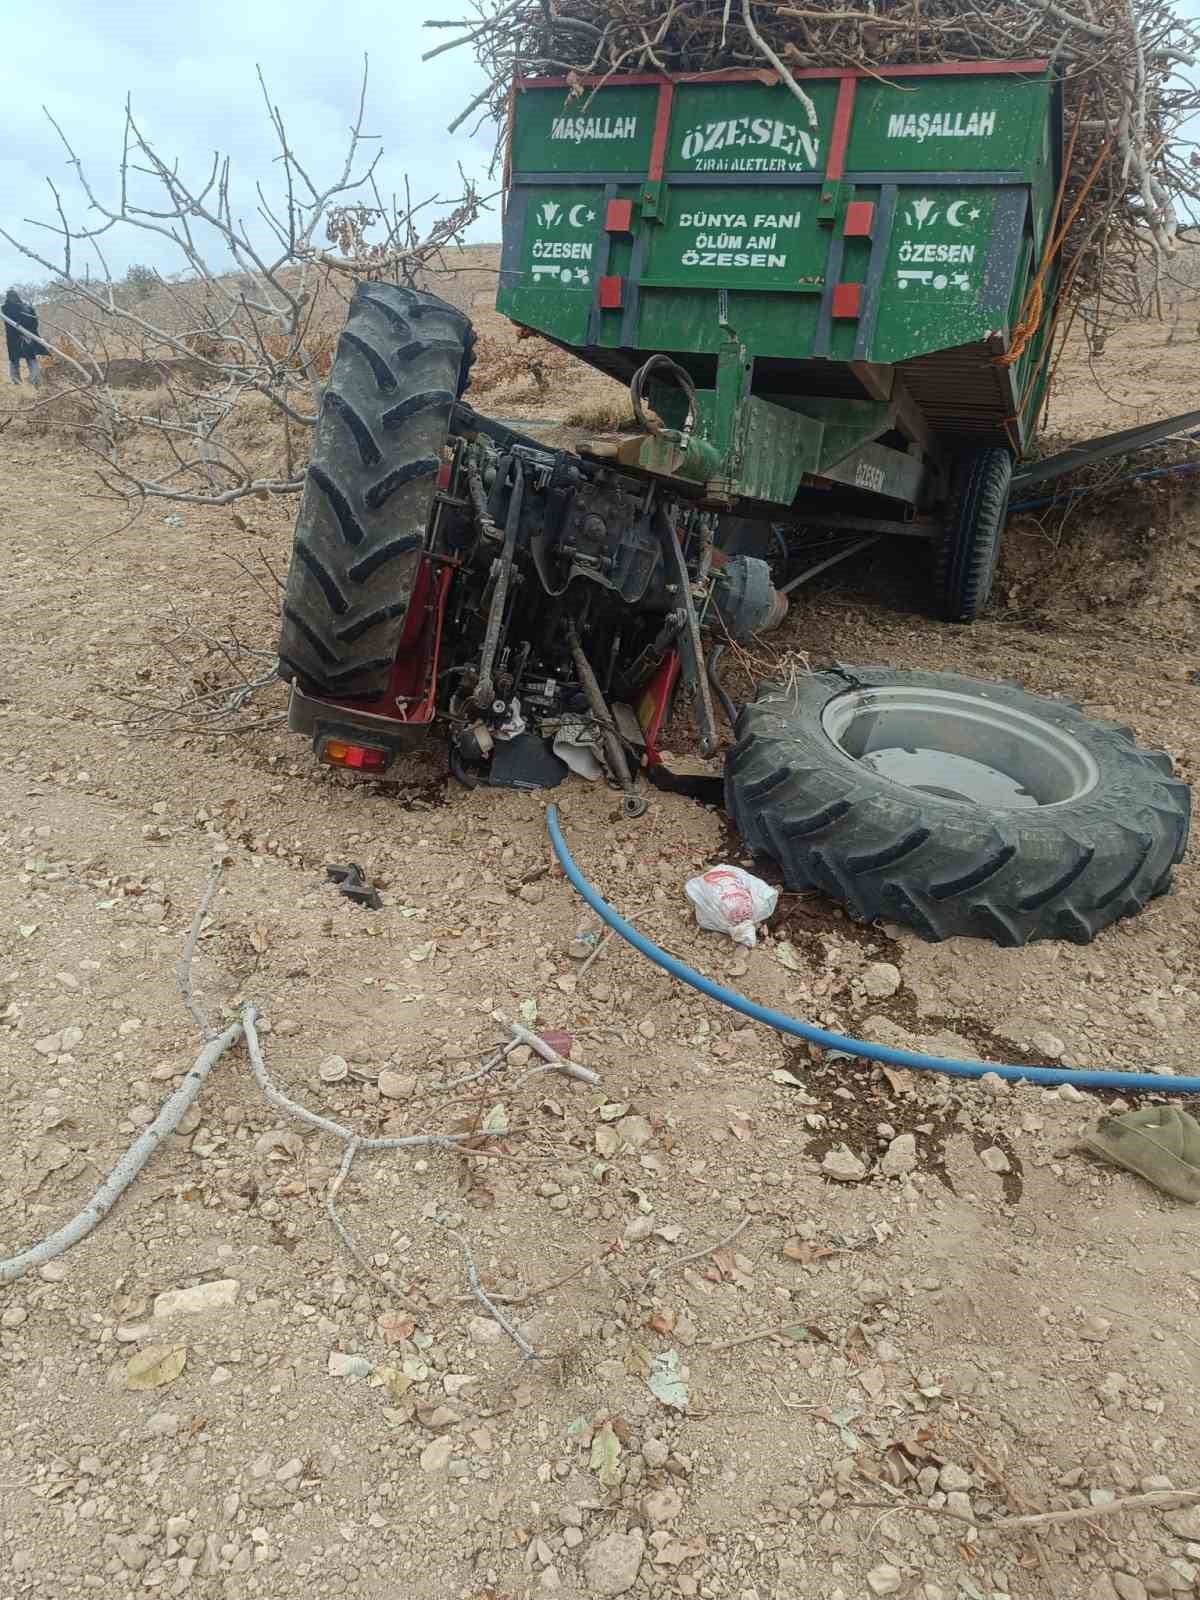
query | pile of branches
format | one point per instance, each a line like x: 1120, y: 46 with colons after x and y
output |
x: 1133, y: 183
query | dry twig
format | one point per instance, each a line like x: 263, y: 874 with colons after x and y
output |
x: 656, y: 1273
x: 1156, y: 1500
x: 213, y: 340
x: 489, y: 1305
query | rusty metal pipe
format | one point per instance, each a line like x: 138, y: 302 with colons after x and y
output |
x: 634, y: 804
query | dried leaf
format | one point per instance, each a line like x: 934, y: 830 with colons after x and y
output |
x: 281, y: 1144
x: 900, y: 1079
x: 496, y: 1120
x: 666, y: 1380
x: 662, y: 1322
x: 674, y: 1552
x: 606, y: 1457
x: 613, y: 1111
x: 436, y: 1418
x: 155, y: 1366
x: 788, y: 956
x: 259, y: 940
x: 422, y: 952
x: 723, y: 1261
x: 397, y: 1385
x: 791, y: 1081
x: 608, y: 1141
x: 806, y: 1252
x: 638, y: 1361
x: 873, y: 1381
x: 841, y: 1420
x: 395, y: 1327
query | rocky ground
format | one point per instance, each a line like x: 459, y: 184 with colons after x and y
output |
x: 803, y: 1327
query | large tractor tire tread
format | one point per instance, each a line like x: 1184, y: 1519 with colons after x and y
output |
x: 970, y: 545
x: 402, y: 361
x: 949, y: 868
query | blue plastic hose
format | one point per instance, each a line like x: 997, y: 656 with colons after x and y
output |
x: 1122, y: 1082
x: 1183, y: 469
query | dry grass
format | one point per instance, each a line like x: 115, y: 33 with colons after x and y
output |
x: 254, y: 429
x: 190, y: 308
x: 529, y: 363
x: 604, y: 414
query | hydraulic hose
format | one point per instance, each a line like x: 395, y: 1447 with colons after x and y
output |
x: 1080, y: 1078
x: 718, y: 688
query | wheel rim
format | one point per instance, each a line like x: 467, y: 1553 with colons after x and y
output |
x: 960, y: 748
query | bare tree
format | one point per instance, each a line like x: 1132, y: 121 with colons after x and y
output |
x: 241, y: 319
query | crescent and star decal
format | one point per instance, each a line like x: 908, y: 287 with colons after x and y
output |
x: 955, y: 220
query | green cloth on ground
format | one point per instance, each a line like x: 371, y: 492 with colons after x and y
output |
x: 1159, y: 1143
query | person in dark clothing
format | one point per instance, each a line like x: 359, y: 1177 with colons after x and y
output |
x: 20, y: 332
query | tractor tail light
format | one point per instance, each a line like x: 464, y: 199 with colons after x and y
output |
x: 360, y: 757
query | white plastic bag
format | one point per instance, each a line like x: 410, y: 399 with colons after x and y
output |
x: 728, y: 900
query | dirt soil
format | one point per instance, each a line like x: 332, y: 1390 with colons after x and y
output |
x: 753, y: 1381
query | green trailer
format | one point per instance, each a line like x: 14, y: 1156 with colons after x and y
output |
x: 833, y: 311
x: 845, y: 297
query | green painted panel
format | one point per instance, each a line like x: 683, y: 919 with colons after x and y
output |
x: 940, y: 234
x: 610, y: 131
x: 749, y: 127
x: 745, y: 237
x: 945, y: 124
x: 563, y: 229
x: 687, y: 321
x: 739, y: 247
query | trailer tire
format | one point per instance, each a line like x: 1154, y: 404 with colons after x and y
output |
x: 970, y: 545
x: 403, y: 359
x: 1093, y: 839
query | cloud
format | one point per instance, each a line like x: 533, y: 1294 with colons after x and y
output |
x: 194, y: 91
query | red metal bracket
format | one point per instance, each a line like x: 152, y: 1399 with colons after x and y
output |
x: 860, y: 219
x: 654, y: 708
x: 839, y: 137
x: 662, y: 129
x: 619, y: 217
x: 847, y: 300
x: 612, y: 294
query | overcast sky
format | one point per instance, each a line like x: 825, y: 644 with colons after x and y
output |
x: 191, y: 76
x: 190, y: 72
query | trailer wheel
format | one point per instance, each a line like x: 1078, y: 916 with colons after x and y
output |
x: 402, y: 361
x: 978, y: 510
x: 956, y: 806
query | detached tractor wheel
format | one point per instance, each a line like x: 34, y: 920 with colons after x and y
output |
x: 970, y: 546
x: 402, y: 361
x: 956, y: 806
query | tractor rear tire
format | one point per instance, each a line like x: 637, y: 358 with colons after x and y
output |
x: 402, y: 361
x: 1088, y: 831
x: 970, y: 544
